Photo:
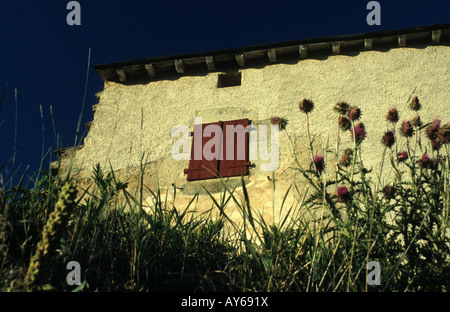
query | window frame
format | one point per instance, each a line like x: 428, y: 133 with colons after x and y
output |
x: 221, y: 165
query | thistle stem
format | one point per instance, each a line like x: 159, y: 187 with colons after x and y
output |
x: 375, y: 203
x: 354, y: 155
x: 309, y: 138
x: 337, y: 155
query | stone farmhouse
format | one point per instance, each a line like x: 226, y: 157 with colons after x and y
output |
x: 154, y: 111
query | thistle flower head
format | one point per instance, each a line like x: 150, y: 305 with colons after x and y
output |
x: 392, y: 115
x: 348, y: 152
x: 319, y: 163
x: 388, y: 139
x: 354, y: 113
x: 346, y: 157
x: 389, y: 191
x: 406, y: 129
x: 416, y: 121
x: 280, y: 122
x: 425, y: 162
x: 359, y: 133
x: 341, y: 108
x: 344, y: 123
x: 343, y: 194
x: 433, y: 129
x: 306, y: 106
x: 283, y: 123
x: 436, y: 144
x: 402, y: 156
x: 360, y: 125
x: 345, y: 160
x: 415, y: 104
x: 444, y: 134
x: 275, y: 120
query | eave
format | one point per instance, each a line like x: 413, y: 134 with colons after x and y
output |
x: 155, y: 68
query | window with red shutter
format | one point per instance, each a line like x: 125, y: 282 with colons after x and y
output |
x: 235, y: 142
x: 221, y: 153
x: 200, y: 167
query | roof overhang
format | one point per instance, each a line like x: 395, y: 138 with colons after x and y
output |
x: 189, y: 64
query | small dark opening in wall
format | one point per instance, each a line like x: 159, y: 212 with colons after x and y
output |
x: 229, y: 80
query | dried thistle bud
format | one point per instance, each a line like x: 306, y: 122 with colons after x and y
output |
x: 435, y: 144
x: 280, y: 122
x: 344, y: 123
x: 433, y: 129
x: 306, y: 106
x: 346, y: 158
x: 354, y: 113
x: 415, y: 104
x: 392, y: 115
x: 388, y: 139
x: 283, y: 123
x: 275, y: 120
x: 416, y: 121
x: 341, y: 108
x: 407, y: 129
x: 348, y: 152
x: 389, y: 191
x: 444, y: 134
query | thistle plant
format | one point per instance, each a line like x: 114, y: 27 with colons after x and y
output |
x: 38, y: 270
x: 306, y: 106
x: 280, y: 122
x: 411, y: 214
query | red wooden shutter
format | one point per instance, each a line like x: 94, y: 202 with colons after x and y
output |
x: 200, y: 169
x: 235, y: 156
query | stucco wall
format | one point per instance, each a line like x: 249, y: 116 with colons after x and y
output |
x: 134, y: 119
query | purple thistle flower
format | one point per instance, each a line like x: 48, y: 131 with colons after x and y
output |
x: 426, y: 162
x: 319, y: 163
x: 403, y: 156
x: 343, y: 194
x: 359, y: 133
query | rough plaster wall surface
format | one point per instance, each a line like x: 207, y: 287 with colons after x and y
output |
x: 134, y: 119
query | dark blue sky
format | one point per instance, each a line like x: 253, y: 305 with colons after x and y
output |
x: 46, y: 60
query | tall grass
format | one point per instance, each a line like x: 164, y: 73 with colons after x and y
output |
x: 124, y: 243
